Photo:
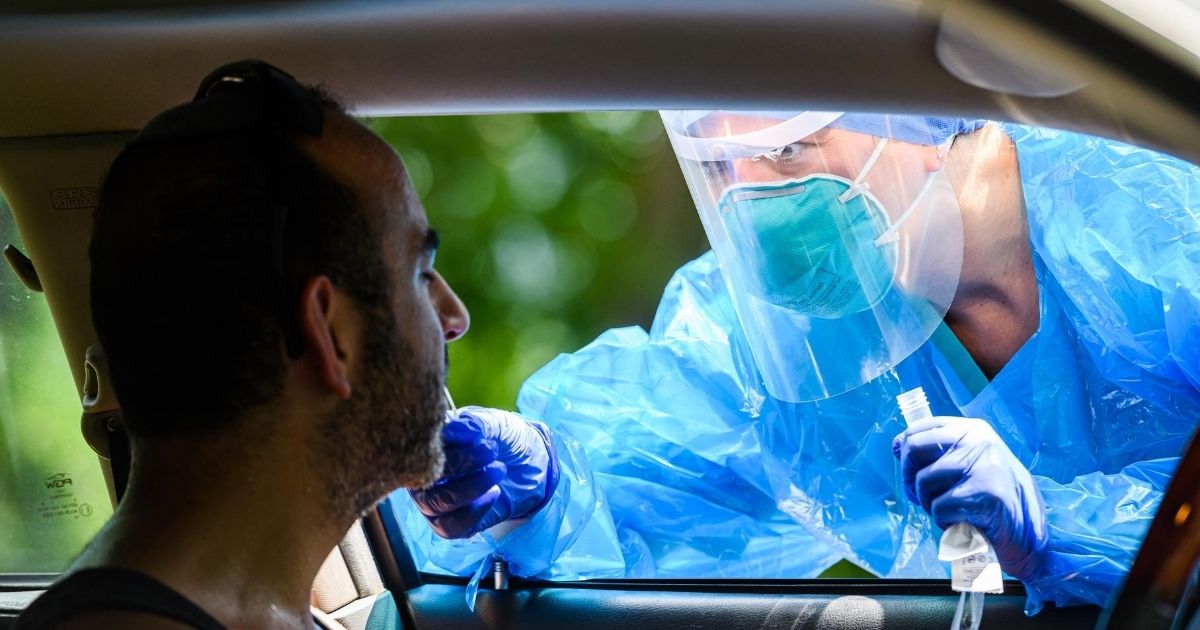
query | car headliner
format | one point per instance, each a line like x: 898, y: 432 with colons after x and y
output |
x: 71, y: 71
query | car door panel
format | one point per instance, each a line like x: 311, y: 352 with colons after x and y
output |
x: 436, y: 606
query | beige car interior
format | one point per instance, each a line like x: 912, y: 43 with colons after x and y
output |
x: 348, y: 584
x: 76, y: 83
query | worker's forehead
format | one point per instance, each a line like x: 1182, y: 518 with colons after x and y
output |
x: 719, y: 124
x: 723, y: 124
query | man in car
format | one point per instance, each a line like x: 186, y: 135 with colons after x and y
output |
x: 1042, y: 287
x: 262, y: 281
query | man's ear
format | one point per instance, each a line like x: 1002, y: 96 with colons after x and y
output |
x: 329, y: 324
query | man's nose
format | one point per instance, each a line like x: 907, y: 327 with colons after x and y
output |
x: 452, y: 313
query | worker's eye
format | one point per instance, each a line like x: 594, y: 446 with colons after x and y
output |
x: 792, y: 151
x: 428, y: 276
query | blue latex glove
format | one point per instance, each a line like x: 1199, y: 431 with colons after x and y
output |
x: 959, y: 470
x: 499, y: 466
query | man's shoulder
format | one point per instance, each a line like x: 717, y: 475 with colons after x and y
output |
x: 119, y: 619
x: 113, y: 597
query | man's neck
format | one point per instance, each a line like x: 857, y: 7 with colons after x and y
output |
x: 215, y: 537
x: 995, y: 310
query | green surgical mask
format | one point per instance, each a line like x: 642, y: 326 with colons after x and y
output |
x: 817, y: 245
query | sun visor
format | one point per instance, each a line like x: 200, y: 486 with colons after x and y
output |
x: 973, y: 47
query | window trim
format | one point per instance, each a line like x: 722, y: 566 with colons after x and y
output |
x: 26, y: 581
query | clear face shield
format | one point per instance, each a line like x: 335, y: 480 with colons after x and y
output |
x: 839, y: 236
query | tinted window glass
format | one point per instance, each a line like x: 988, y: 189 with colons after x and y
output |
x: 52, y: 493
x: 692, y: 466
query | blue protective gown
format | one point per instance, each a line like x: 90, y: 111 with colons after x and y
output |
x: 678, y: 464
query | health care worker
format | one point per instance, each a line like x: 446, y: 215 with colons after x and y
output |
x: 1043, y: 287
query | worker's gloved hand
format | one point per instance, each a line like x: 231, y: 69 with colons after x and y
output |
x: 960, y: 470
x: 499, y: 466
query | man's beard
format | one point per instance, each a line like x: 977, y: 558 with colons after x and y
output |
x: 389, y: 433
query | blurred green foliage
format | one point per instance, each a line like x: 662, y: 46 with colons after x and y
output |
x: 554, y: 228
x: 52, y: 494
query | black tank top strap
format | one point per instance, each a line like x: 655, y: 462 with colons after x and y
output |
x: 112, y: 589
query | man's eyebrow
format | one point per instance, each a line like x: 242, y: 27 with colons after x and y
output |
x: 431, y: 241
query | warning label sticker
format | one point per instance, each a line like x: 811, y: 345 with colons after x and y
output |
x: 59, y: 500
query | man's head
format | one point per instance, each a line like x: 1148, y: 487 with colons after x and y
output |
x: 257, y: 246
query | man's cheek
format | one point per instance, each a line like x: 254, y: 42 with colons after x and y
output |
x: 432, y: 341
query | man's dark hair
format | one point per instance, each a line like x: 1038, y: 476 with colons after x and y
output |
x: 195, y: 279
